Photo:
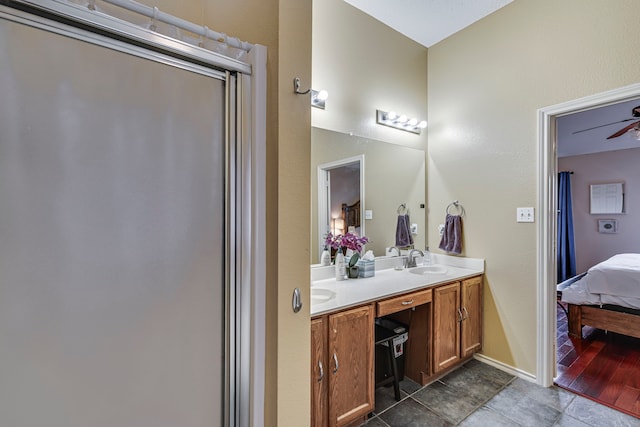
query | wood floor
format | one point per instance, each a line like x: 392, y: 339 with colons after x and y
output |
x: 603, y: 366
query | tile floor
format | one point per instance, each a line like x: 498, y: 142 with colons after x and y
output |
x: 480, y: 395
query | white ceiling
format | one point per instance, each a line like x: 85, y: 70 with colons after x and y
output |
x: 595, y: 140
x: 428, y: 21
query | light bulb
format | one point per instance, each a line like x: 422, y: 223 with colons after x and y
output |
x: 322, y: 95
x: 391, y: 115
x: 402, y: 119
x: 413, y: 122
x: 422, y: 124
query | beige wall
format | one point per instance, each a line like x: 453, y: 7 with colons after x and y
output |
x: 593, y: 247
x: 365, y: 65
x: 284, y: 27
x: 485, y: 86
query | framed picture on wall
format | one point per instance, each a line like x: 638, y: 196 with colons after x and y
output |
x: 607, y: 198
x: 607, y: 226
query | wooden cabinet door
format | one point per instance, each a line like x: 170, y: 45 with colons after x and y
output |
x: 471, y: 331
x: 319, y: 373
x: 351, y: 370
x: 446, y: 326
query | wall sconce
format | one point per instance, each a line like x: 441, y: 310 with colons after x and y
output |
x: 401, y: 122
x: 318, y: 97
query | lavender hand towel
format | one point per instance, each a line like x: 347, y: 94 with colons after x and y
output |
x: 403, y: 232
x: 451, y: 240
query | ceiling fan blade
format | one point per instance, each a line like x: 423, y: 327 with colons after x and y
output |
x: 601, y: 126
x: 623, y: 130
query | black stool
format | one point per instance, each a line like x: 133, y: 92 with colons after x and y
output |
x: 384, y: 335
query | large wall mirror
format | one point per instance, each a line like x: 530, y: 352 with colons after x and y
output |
x: 364, y: 175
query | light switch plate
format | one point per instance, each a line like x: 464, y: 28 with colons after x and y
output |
x: 414, y: 228
x: 525, y: 215
x: 368, y: 214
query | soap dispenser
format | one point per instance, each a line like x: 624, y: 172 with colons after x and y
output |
x: 341, y: 267
x: 325, y: 258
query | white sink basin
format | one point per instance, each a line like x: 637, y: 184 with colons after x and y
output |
x: 429, y: 269
x: 320, y: 295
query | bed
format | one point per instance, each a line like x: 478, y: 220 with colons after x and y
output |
x: 606, y: 297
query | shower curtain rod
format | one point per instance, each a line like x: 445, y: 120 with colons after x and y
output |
x: 156, y: 14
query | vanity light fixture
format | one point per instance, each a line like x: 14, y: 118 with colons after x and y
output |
x: 401, y: 122
x: 318, y: 97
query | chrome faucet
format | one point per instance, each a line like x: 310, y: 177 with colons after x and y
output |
x: 412, y: 259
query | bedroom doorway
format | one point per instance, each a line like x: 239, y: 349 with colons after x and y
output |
x: 340, y: 182
x: 547, y: 204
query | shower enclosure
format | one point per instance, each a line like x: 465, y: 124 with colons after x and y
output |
x: 119, y: 232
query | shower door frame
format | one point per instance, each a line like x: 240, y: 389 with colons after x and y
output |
x: 245, y: 135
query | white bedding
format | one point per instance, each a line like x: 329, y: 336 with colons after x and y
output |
x: 614, y: 281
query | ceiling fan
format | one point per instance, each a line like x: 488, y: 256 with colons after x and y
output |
x: 635, y: 113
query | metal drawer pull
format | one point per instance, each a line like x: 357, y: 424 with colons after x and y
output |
x: 466, y: 313
x: 321, y: 370
x: 335, y: 359
x: 407, y: 302
x: 460, y: 314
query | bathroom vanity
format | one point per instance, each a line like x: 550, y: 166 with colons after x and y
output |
x: 441, y: 304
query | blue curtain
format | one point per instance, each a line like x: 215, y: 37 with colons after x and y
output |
x: 566, y: 245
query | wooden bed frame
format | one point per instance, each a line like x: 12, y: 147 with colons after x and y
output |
x: 602, y: 318
x: 351, y: 215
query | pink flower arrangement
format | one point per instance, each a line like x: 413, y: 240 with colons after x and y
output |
x: 349, y: 241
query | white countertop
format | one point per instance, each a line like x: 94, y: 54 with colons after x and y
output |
x: 388, y: 282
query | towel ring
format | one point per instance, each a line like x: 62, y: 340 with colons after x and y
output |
x: 457, y: 206
x: 402, y: 209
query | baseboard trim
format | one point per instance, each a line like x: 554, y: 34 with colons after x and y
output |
x: 506, y: 368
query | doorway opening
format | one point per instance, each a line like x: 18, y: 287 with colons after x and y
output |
x: 340, y: 196
x: 547, y: 227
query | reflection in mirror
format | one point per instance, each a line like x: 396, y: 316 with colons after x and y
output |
x: 391, y: 175
x: 340, y: 195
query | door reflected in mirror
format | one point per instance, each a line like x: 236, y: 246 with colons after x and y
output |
x: 340, y: 195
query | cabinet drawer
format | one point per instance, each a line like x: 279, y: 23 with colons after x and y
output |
x: 403, y: 302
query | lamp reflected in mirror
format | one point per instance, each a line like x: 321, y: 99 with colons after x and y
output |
x: 338, y: 226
